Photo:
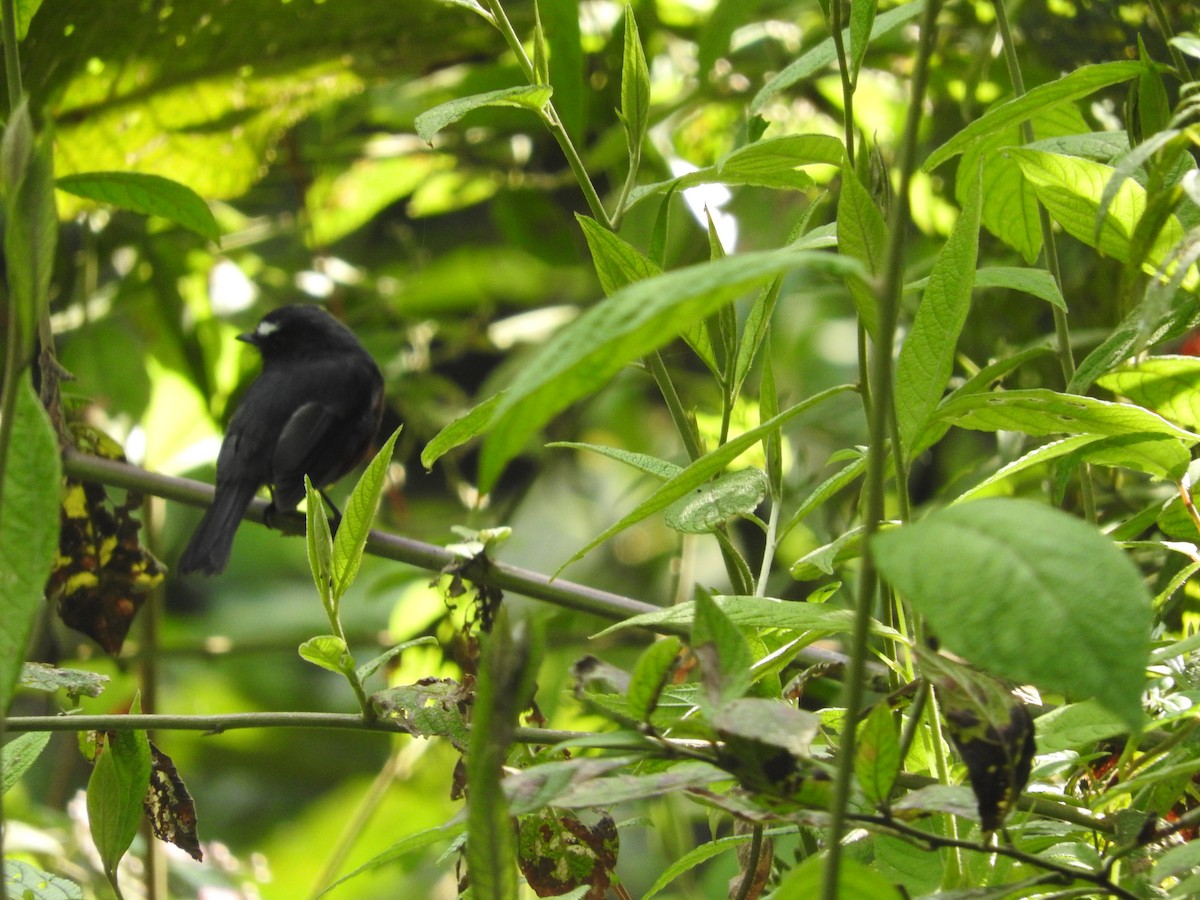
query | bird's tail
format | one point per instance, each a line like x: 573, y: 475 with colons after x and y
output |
x: 208, y: 550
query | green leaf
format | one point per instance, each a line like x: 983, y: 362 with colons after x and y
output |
x: 355, y: 526
x: 825, y: 53
x: 643, y: 462
x: 1079, y: 83
x: 862, y: 235
x: 927, y: 355
x: 712, y: 504
x: 329, y: 652
x: 28, y: 530
x: 635, y: 320
x: 1075, y: 726
x: 1071, y: 189
x: 1035, y: 282
x: 877, y: 754
x: 1029, y: 593
x: 149, y: 195
x: 1010, y: 205
x: 34, y: 884
x: 367, y: 669
x: 541, y: 55
x: 18, y: 755
x: 115, y: 793
x: 1168, y: 385
x: 31, y: 225
x: 823, y: 491
x: 469, y: 425
x: 617, y: 262
x: 635, y: 88
x: 406, y: 846
x: 702, y: 470
x: 25, y: 11
x: 758, y: 324
x: 432, y: 121
x: 862, y: 20
x: 561, y: 21
x: 855, y: 882
x: 1042, y: 412
x: 1158, y: 455
x: 812, y: 618
x: 725, y: 657
x: 320, y: 544
x: 825, y: 559
x: 699, y: 854
x: 1036, y: 457
x: 650, y: 675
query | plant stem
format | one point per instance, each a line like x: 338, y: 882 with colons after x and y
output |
x: 550, y: 115
x: 1164, y: 25
x: 835, y: 31
x: 877, y: 455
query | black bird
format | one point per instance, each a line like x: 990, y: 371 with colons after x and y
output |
x: 313, y: 411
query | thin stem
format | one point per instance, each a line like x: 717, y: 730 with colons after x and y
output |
x: 839, y: 44
x: 12, y: 57
x: 1164, y: 25
x: 550, y: 115
x: 877, y: 455
x: 752, y: 863
x: 683, y: 424
x: 760, y: 589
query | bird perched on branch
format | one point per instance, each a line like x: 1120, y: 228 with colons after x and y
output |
x: 313, y: 411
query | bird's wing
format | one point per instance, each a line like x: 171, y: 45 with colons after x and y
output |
x: 305, y: 438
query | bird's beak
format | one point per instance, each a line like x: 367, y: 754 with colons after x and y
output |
x: 249, y: 337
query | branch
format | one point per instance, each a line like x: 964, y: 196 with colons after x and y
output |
x: 388, y: 546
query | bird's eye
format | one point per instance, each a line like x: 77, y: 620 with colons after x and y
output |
x: 266, y: 329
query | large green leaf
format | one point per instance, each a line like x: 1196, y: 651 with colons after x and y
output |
x: 28, y: 530
x: 1071, y: 189
x: 1169, y: 385
x: 1030, y: 593
x: 115, y: 793
x: 635, y: 320
x: 530, y: 96
x: 355, y: 525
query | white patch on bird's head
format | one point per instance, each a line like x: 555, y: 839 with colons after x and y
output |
x: 266, y: 329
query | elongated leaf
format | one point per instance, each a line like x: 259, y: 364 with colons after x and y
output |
x: 28, y: 530
x: 651, y: 465
x: 434, y: 120
x: 561, y: 21
x: 635, y: 87
x: 617, y: 262
x: 825, y: 54
x: 862, y: 235
x: 862, y: 20
x: 627, y: 325
x: 1035, y: 282
x: 115, y: 793
x: 320, y: 543
x: 369, y: 668
x: 31, y: 227
x: 1042, y: 412
x: 752, y: 612
x: 724, y: 655
x: 1079, y: 83
x: 18, y: 755
x: 406, y: 846
x: 927, y: 356
x: 1035, y: 457
x: 356, y: 521
x: 1030, y: 593
x: 1159, y: 455
x: 702, y: 470
x: 1168, y: 385
x: 150, y: 195
x: 469, y: 425
x: 855, y: 882
x: 650, y: 675
x: 877, y: 754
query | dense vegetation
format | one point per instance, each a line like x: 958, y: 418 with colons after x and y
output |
x: 786, y: 482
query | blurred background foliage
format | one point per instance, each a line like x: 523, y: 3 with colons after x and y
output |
x: 296, y: 120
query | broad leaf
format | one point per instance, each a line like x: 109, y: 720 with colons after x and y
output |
x: 635, y: 320
x: 1168, y: 385
x: 150, y: 195
x: 1029, y: 593
x: 356, y: 521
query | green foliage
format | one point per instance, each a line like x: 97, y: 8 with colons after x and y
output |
x: 838, y: 543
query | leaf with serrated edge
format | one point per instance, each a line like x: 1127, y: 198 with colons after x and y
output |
x: 355, y: 526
